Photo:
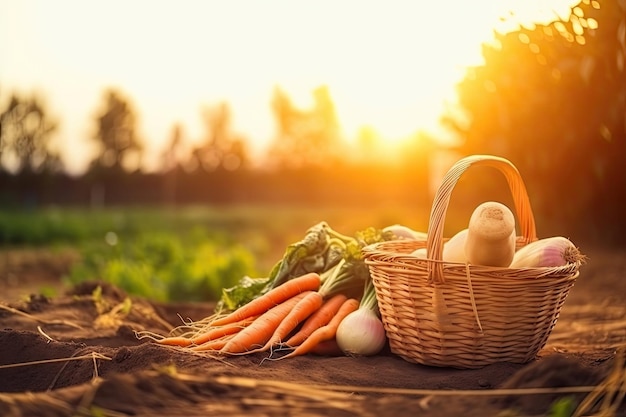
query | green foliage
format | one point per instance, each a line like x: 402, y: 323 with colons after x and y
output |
x: 166, y: 267
x: 551, y: 99
x: 28, y: 228
x: 185, y: 254
x: 323, y: 250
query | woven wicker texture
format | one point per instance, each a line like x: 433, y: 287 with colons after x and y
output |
x: 466, y: 316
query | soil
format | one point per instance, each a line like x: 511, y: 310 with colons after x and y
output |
x: 71, y: 354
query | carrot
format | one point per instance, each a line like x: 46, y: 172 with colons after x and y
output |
x: 215, y: 332
x: 175, y: 341
x: 214, y: 345
x: 261, y: 329
x: 274, y: 297
x: 318, y: 319
x: 307, y: 306
x: 212, y: 332
x: 327, y: 348
x: 326, y: 332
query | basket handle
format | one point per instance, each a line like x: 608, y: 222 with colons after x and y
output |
x: 434, y: 242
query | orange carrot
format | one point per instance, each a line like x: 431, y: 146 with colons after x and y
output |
x: 212, y: 332
x: 176, y: 341
x: 215, y: 332
x: 260, y: 330
x: 318, y: 319
x: 308, y: 305
x: 214, y: 345
x: 327, y: 348
x: 285, y: 291
x: 326, y: 332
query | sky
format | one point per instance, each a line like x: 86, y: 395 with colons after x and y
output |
x: 389, y: 65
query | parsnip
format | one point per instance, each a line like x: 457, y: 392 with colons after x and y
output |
x: 491, y: 236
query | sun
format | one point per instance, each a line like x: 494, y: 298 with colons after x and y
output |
x: 401, y: 75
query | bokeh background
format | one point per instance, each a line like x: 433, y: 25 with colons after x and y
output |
x: 168, y: 142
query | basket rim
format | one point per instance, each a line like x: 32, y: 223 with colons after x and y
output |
x: 377, y: 250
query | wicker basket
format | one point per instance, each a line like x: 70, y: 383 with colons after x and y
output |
x: 466, y: 316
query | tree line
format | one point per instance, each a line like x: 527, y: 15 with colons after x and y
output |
x: 308, y: 148
x: 304, y: 137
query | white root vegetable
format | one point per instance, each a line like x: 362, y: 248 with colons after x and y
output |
x: 547, y: 252
x: 491, y: 236
x: 362, y: 333
x: 454, y: 249
x: 404, y: 232
x: 420, y: 253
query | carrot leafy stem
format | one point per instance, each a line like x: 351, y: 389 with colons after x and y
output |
x: 323, y: 250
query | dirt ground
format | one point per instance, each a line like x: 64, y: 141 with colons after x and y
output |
x: 76, y: 354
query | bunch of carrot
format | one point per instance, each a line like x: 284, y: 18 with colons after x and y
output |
x: 297, y: 308
x: 299, y: 315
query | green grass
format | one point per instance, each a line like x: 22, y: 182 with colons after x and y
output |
x: 183, y: 254
x: 167, y: 267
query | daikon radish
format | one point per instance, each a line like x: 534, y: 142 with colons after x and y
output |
x: 454, y: 249
x: 547, y: 252
x: 491, y: 236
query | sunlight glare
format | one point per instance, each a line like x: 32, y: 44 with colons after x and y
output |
x: 389, y: 65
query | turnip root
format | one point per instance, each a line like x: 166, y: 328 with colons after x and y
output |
x: 548, y: 252
x: 491, y: 235
x: 362, y: 333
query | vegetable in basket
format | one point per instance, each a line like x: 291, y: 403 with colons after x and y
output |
x: 491, y: 235
x: 453, y: 249
x: 488, y: 240
x: 547, y: 252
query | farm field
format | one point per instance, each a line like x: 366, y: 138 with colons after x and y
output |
x: 92, y: 364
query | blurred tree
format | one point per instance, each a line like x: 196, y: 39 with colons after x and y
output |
x: 368, y: 146
x: 220, y: 148
x: 171, y: 156
x: 552, y: 99
x: 171, y: 160
x: 119, y: 145
x: 25, y: 138
x: 305, y: 137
